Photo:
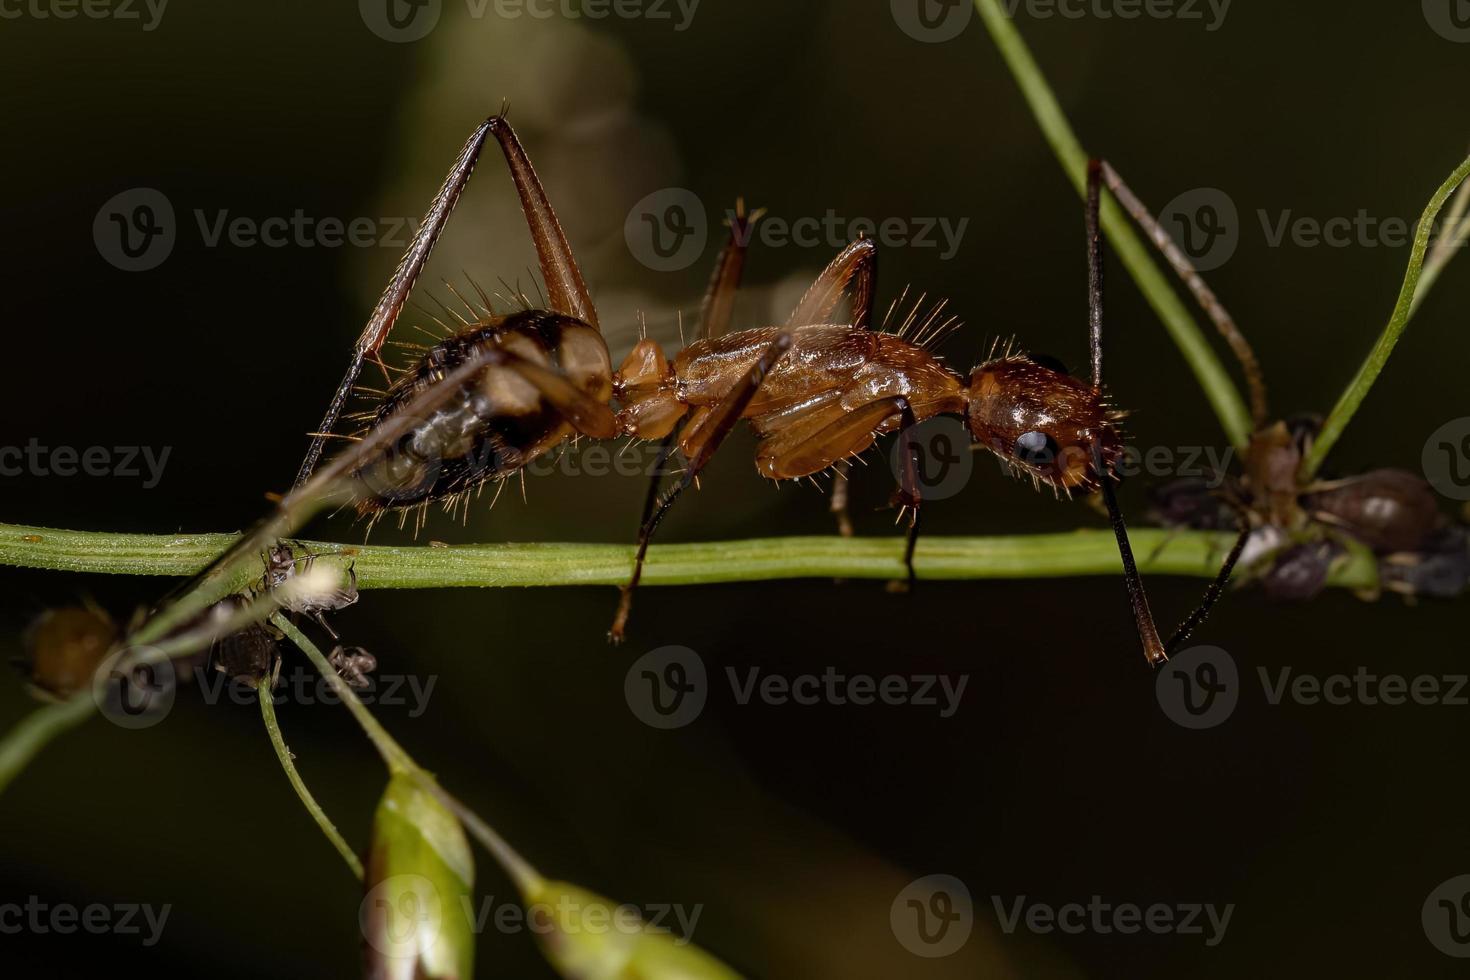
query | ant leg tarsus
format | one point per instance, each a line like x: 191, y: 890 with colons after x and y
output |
x: 721, y: 420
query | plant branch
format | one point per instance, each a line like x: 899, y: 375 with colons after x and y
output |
x: 273, y: 728
x: 1358, y: 388
x: 1216, y: 383
x: 399, y: 761
x: 1081, y: 552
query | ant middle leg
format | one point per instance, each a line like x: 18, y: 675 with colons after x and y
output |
x: 699, y: 442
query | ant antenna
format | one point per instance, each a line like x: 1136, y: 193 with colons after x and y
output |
x: 1154, y: 649
x: 1189, y: 275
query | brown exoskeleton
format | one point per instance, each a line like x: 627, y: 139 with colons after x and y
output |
x: 818, y: 390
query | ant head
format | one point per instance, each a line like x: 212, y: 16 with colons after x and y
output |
x: 1043, y: 422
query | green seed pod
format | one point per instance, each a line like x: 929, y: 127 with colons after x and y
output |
x: 420, y: 878
x: 588, y: 937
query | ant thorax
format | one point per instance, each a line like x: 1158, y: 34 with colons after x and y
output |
x: 1043, y: 422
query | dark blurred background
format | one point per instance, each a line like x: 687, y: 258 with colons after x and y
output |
x: 795, y: 828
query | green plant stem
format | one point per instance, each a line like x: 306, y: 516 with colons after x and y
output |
x: 399, y: 761
x: 1357, y: 389
x: 1213, y: 379
x: 1082, y: 552
x: 273, y: 729
x: 35, y: 731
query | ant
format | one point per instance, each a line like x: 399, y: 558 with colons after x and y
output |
x: 1299, y: 524
x: 817, y: 390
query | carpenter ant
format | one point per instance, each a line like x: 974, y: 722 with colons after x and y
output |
x: 1296, y: 528
x: 818, y: 390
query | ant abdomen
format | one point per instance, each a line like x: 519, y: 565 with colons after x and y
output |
x: 497, y: 423
x: 1043, y: 422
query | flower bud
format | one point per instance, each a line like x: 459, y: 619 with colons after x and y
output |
x: 420, y: 877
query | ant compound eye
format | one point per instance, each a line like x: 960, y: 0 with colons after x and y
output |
x: 1036, y: 448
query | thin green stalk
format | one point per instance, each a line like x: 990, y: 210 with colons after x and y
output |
x: 1213, y: 379
x: 399, y: 761
x: 33, y: 732
x: 1082, y: 552
x: 1455, y: 231
x: 1357, y: 389
x: 273, y: 728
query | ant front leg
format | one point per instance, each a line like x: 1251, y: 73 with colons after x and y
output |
x: 717, y: 423
x: 566, y: 292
